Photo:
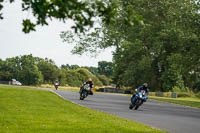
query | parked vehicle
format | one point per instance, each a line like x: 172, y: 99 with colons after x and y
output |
x: 15, y: 82
x: 138, y: 100
x: 18, y: 83
x: 85, y: 91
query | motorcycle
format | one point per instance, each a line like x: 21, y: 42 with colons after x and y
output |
x: 85, y: 90
x: 138, y: 100
x: 56, y: 85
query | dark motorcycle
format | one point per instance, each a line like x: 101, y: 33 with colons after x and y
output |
x: 85, y: 91
x: 56, y: 85
x: 138, y: 100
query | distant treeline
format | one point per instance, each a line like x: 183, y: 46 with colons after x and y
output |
x: 31, y: 70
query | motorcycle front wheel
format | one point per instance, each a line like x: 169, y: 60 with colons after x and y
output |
x: 138, y: 103
x: 81, y: 96
x: 131, y: 106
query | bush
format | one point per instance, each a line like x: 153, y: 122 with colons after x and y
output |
x: 184, y: 94
x: 197, y: 86
x: 85, y: 74
x: 105, y: 80
x: 152, y: 94
x: 167, y: 94
x: 73, y: 79
x: 198, y: 95
x: 76, y: 77
x: 176, y: 89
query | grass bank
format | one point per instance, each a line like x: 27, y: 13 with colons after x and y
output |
x: 192, y: 102
x: 68, y: 88
x: 34, y: 111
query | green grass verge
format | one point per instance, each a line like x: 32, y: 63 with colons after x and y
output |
x: 192, y: 102
x: 60, y: 87
x: 35, y: 111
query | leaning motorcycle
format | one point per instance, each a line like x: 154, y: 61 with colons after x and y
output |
x: 84, y: 92
x: 138, y: 100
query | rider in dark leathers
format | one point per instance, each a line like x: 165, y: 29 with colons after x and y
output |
x: 91, y: 85
x: 56, y: 84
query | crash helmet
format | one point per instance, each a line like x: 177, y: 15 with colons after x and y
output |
x: 145, y: 84
x: 89, y: 80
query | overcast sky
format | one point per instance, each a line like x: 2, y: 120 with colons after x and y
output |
x: 45, y: 42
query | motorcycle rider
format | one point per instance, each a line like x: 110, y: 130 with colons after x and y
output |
x: 139, y: 89
x: 91, y: 85
x: 56, y: 84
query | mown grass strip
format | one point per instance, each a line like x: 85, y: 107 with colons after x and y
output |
x: 35, y: 111
x: 192, y: 102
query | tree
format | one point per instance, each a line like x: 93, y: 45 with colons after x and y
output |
x: 104, y: 35
x: 70, y: 67
x: 21, y: 68
x: 105, y: 68
x: 93, y: 70
x: 4, y: 74
x: 48, y: 69
x: 168, y: 37
x: 161, y: 51
x: 105, y: 80
x: 62, y: 77
x: 82, y: 12
x: 29, y: 73
x: 86, y: 74
x: 80, y: 75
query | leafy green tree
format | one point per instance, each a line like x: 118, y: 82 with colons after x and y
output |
x: 65, y: 67
x: 78, y: 76
x: 29, y: 73
x: 4, y: 74
x: 70, y: 67
x: 13, y: 65
x: 169, y: 35
x: 23, y: 69
x: 132, y: 65
x: 163, y: 50
x: 82, y: 12
x: 104, y: 35
x: 105, y: 80
x: 105, y: 68
x: 48, y: 69
x: 62, y: 77
x: 93, y: 70
x: 86, y: 74
x: 73, y: 78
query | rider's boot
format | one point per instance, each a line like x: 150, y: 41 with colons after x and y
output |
x: 91, y: 93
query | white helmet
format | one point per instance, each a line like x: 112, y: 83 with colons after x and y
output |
x: 145, y: 84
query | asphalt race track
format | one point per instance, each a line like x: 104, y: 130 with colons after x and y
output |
x: 170, y: 117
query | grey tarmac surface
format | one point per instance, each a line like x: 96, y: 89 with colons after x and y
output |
x: 165, y: 116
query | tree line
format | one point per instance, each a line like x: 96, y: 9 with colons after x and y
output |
x: 31, y: 70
